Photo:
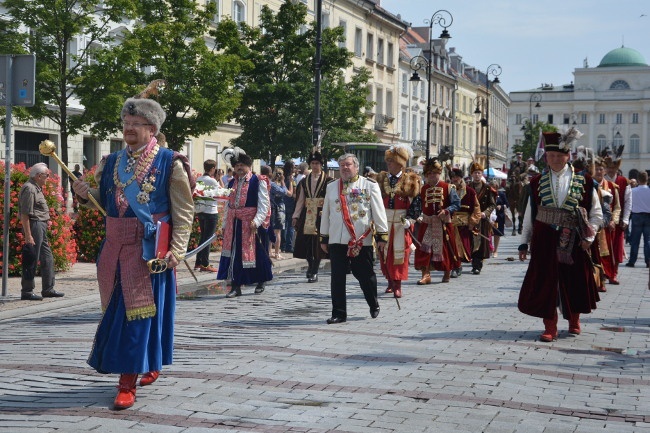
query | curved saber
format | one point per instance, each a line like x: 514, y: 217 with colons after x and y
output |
x: 196, y: 250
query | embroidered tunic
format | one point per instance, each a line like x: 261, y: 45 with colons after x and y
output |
x: 436, y: 236
x: 560, y: 272
x: 135, y: 334
x: 400, y: 194
x: 310, y: 197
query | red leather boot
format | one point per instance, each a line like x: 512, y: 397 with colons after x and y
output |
x: 389, y: 289
x: 149, y: 378
x: 426, y: 277
x: 126, y: 391
x: 550, y: 330
x: 397, y: 288
x: 574, y: 324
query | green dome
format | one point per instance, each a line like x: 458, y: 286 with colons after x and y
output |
x: 622, y: 57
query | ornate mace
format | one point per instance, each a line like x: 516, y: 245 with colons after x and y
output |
x: 48, y: 148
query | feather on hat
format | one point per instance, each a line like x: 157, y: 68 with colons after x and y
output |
x: 235, y: 155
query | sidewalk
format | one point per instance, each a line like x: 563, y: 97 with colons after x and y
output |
x: 457, y: 357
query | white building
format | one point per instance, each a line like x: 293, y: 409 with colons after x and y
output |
x: 609, y: 104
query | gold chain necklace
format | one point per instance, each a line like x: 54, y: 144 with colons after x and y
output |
x: 142, y: 164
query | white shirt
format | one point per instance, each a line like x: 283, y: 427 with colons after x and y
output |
x: 206, y: 205
x: 563, y: 180
x: 641, y: 199
x: 627, y: 194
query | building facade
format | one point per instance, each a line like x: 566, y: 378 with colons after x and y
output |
x: 609, y: 104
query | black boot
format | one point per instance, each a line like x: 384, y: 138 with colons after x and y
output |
x: 235, y: 290
x: 259, y: 288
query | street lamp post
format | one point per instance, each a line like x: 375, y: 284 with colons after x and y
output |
x: 316, y: 126
x: 493, y: 70
x: 444, y: 19
x: 536, y: 98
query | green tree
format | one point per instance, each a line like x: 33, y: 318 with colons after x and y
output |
x: 64, y: 35
x: 169, y: 43
x: 277, y: 109
x: 531, y: 138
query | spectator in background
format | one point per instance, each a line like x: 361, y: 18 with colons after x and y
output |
x: 640, y: 219
x: 78, y: 174
x: 219, y: 178
x: 225, y: 179
x: 34, y: 217
x: 278, y: 213
x: 303, y: 170
x: 499, y: 226
x: 207, y: 213
x: 289, y: 207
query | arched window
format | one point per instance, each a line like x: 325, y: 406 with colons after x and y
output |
x: 601, y: 143
x: 239, y: 11
x: 635, y: 143
x: 619, y: 85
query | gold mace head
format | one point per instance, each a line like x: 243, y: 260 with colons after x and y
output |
x: 47, y: 148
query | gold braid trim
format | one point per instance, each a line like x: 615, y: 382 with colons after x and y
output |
x: 141, y: 313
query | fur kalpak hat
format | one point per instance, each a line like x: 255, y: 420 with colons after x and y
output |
x: 236, y: 155
x: 432, y: 165
x: 315, y: 156
x: 401, y: 153
x: 141, y: 105
x: 475, y: 167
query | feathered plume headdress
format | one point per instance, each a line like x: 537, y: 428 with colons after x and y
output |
x: 612, y: 157
x: 568, y: 138
x: 235, y: 155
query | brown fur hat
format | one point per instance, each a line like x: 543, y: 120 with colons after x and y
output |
x: 475, y: 167
x: 401, y: 153
x: 407, y: 186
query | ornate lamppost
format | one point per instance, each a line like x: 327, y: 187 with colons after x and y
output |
x: 493, y: 70
x: 418, y: 63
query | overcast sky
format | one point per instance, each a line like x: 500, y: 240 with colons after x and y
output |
x: 535, y: 41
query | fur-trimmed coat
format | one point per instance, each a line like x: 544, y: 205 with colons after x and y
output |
x: 408, y: 186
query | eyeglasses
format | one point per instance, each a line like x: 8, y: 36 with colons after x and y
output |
x: 134, y: 124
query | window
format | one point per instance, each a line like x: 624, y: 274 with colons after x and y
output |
x: 422, y: 92
x: 370, y: 46
x: 389, y: 103
x: 566, y: 119
x: 380, y: 102
x: 535, y: 118
x: 583, y: 118
x: 434, y: 133
x: 434, y: 93
x: 619, y: 118
x: 358, y: 44
x: 238, y: 11
x: 635, y: 117
x: 518, y: 119
x: 602, y: 119
x: 619, y: 85
x: 389, y: 55
x: 618, y: 139
x: 634, y: 144
x: 325, y: 20
x: 414, y: 126
x: 422, y: 129
x: 344, y: 26
x: 404, y: 124
x: 601, y: 143
x: 405, y: 83
x: 217, y: 3
x: 380, y: 51
x: 415, y: 88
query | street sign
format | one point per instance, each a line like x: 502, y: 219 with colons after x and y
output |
x: 23, y: 76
